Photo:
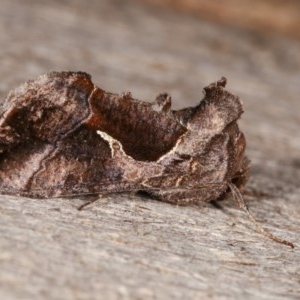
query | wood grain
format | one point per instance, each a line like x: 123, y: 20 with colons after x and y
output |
x: 130, y: 247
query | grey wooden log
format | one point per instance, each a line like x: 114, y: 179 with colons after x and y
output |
x: 128, y: 247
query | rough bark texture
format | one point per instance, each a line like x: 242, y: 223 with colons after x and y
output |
x: 130, y: 247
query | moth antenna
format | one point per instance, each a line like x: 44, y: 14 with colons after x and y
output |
x: 242, y: 205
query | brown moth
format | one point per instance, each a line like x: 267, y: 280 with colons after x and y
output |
x: 61, y: 135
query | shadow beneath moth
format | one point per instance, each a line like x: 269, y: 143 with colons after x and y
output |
x: 60, y: 135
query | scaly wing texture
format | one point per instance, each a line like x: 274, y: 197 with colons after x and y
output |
x: 61, y: 135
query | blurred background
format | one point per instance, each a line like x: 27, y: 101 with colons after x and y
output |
x: 281, y: 16
x: 152, y: 46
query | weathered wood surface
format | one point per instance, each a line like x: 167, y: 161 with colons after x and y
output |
x: 128, y: 247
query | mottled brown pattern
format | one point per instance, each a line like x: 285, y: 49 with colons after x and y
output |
x: 61, y: 135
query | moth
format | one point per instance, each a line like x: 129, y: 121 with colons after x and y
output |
x: 60, y: 135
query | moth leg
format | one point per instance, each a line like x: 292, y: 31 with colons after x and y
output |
x: 186, y: 197
x: 92, y: 199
